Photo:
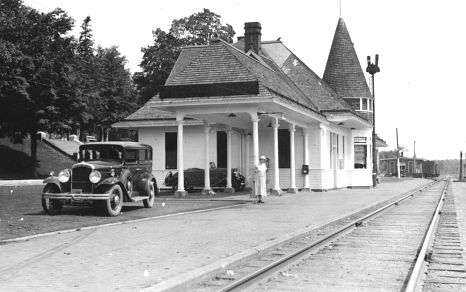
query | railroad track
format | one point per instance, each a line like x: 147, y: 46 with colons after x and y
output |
x: 375, y: 252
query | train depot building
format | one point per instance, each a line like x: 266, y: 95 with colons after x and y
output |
x: 227, y: 104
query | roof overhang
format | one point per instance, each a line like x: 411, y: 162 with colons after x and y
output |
x: 136, y: 124
x: 208, y: 90
x: 347, y: 119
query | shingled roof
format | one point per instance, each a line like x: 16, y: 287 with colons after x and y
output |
x: 220, y: 62
x: 309, y: 83
x: 343, y: 71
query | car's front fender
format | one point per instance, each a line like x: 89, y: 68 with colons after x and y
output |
x: 108, y: 181
x: 53, y: 180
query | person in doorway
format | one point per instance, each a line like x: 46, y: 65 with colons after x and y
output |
x: 261, y: 177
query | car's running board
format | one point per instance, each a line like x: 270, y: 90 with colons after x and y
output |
x: 139, y: 198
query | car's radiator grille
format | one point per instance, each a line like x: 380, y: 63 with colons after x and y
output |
x: 80, y: 179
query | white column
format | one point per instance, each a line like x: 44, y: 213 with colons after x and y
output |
x: 229, y: 188
x: 255, y: 140
x: 306, y: 186
x: 181, y: 191
x: 207, y: 190
x: 292, y: 188
x: 276, y: 170
x: 255, y: 144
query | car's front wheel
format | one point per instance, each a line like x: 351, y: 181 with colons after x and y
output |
x: 149, y: 202
x: 51, y: 206
x: 114, y: 203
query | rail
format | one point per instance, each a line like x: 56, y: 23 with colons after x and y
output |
x: 245, y: 281
x: 414, y: 276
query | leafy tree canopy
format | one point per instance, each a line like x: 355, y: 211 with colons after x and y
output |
x: 49, y: 81
x: 159, y: 58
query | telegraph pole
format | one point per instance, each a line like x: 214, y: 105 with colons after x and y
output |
x: 372, y: 69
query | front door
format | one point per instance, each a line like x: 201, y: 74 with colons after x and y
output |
x: 221, y: 149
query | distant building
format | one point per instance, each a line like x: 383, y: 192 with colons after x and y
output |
x: 409, y: 166
x: 230, y: 103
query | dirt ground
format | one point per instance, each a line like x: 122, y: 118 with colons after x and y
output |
x: 21, y: 211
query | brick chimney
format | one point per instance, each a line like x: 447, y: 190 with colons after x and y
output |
x: 252, y: 36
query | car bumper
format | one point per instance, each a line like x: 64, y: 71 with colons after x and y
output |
x: 75, y: 197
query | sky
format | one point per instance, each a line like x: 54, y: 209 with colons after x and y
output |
x: 421, y: 45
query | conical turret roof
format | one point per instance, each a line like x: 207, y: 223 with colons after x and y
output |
x: 343, y: 72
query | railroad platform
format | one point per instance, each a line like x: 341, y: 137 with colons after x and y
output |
x: 459, y: 193
x: 155, y: 254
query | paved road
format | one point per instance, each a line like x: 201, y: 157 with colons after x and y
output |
x: 130, y: 257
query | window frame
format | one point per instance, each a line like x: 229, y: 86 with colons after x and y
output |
x: 135, y: 151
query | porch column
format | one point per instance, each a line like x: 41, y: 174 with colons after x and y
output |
x: 181, y: 191
x: 276, y: 190
x: 292, y: 189
x: 229, y: 188
x: 255, y: 140
x: 207, y: 190
x: 248, y: 161
x: 255, y: 146
x: 306, y: 158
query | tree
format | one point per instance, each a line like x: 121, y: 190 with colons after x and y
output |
x: 105, y: 85
x: 117, y: 98
x: 159, y: 58
x: 37, y: 92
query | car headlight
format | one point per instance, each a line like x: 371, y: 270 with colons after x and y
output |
x: 95, y: 176
x: 64, y: 176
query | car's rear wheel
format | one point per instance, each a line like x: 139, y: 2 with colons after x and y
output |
x: 51, y: 206
x: 149, y: 202
x: 175, y: 185
x: 238, y: 186
x: 114, y: 203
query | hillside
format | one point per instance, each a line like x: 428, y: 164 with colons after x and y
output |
x: 14, y: 159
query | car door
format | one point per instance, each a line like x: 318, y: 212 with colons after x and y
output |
x: 131, y: 163
x: 143, y: 169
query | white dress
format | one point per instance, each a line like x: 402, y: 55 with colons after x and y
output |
x: 261, y: 177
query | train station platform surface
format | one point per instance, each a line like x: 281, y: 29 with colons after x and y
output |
x: 154, y: 254
x: 459, y: 192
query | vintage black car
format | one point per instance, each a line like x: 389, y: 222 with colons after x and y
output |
x: 194, y: 178
x: 106, y: 175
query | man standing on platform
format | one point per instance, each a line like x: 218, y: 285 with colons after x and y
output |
x: 261, y: 177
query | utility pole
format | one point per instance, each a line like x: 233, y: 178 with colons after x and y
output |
x: 372, y: 69
x: 397, y: 155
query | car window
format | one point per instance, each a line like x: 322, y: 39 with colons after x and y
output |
x: 142, y: 156
x: 131, y: 156
x: 99, y: 152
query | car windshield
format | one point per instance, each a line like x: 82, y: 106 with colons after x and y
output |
x: 100, y: 153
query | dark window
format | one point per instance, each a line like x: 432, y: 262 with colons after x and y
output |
x: 171, y: 150
x: 283, y: 148
x: 354, y: 103
x: 131, y: 156
x: 142, y: 156
x: 221, y: 149
x: 360, y: 156
x: 364, y: 104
